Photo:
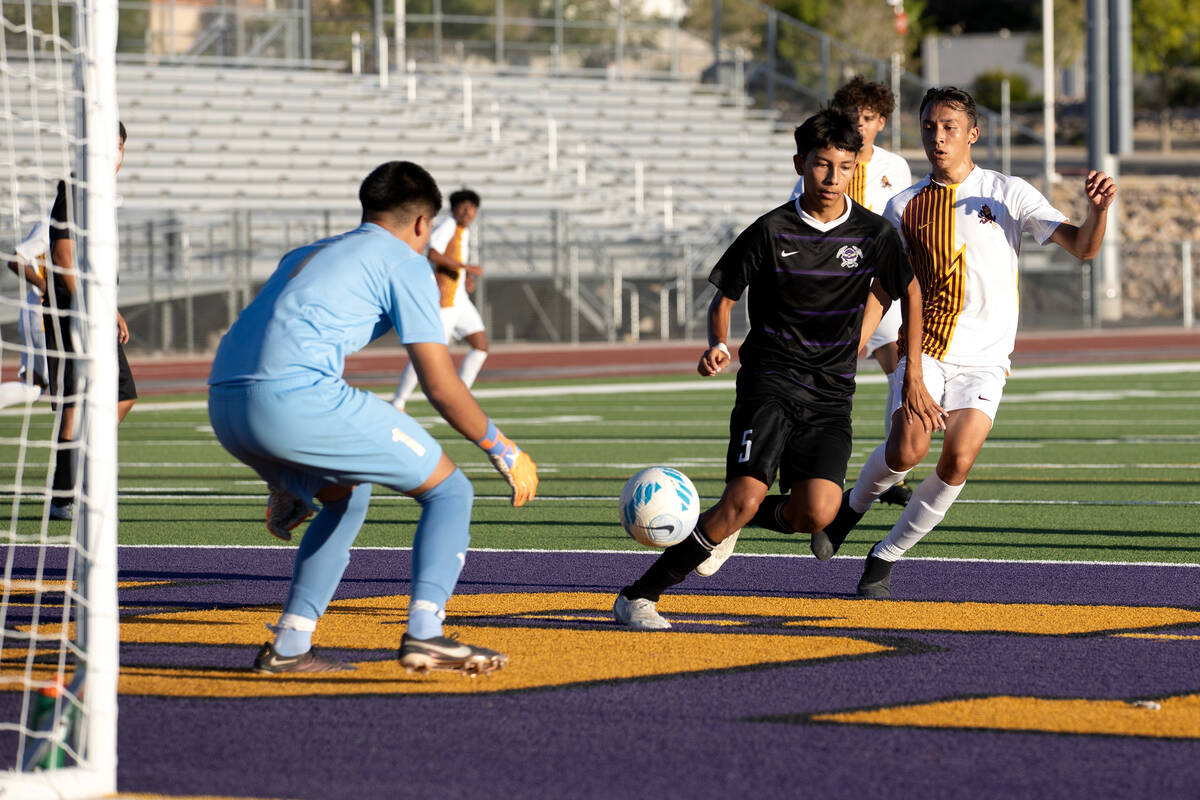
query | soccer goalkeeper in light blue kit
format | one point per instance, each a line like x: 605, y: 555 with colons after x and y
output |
x: 278, y: 402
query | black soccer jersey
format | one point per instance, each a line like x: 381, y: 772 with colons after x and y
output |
x: 808, y: 289
x: 60, y: 228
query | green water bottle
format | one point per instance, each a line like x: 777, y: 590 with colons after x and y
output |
x: 51, y: 753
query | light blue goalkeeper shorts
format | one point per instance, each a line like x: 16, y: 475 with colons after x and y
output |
x: 303, y: 435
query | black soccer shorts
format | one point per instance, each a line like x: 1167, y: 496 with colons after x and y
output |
x: 771, y: 433
x: 126, y: 388
x: 61, y: 368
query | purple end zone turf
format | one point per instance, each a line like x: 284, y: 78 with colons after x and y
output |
x: 744, y: 732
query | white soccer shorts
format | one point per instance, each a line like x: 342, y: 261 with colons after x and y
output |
x: 460, y: 321
x: 889, y: 328
x: 954, y: 387
x: 33, y: 338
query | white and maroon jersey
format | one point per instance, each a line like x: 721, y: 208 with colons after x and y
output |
x: 875, y: 182
x: 963, y: 241
x: 449, y: 239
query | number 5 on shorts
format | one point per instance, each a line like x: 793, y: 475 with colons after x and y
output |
x: 744, y: 456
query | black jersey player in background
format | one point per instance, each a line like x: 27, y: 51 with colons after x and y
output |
x: 809, y: 265
x: 58, y: 299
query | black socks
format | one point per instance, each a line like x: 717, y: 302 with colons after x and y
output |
x: 672, y: 567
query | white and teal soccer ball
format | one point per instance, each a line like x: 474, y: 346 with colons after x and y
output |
x: 659, y: 506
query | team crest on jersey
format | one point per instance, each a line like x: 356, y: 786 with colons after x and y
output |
x: 986, y: 215
x: 849, y: 256
x: 884, y: 182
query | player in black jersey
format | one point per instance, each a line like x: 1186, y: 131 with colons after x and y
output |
x: 809, y: 265
x: 57, y: 301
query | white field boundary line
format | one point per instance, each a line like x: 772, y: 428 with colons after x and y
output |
x: 647, y: 552
x: 694, y: 385
x: 712, y: 463
x: 181, y: 495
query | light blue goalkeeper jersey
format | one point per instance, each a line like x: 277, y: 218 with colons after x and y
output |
x: 327, y: 300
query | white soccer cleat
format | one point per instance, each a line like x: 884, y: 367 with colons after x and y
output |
x: 720, y: 554
x: 638, y: 614
x: 397, y: 404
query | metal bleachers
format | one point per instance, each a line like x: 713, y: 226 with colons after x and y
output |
x: 207, y: 142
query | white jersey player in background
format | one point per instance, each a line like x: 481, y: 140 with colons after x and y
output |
x: 879, y: 175
x: 32, y: 255
x: 962, y: 227
x: 449, y: 253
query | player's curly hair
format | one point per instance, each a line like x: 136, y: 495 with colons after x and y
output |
x: 829, y: 127
x: 400, y: 188
x: 955, y: 98
x: 862, y: 94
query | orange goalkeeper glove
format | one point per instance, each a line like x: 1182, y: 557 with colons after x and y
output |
x: 512, y: 462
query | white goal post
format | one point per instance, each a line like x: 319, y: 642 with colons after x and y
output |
x: 59, y: 640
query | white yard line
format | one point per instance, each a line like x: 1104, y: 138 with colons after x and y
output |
x: 647, y: 552
x: 173, y: 493
x: 694, y: 385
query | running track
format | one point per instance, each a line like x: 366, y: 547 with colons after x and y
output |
x: 175, y: 374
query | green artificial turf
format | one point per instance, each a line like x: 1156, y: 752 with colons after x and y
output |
x: 1082, y: 468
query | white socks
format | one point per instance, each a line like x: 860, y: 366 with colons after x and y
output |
x: 472, y: 362
x: 875, y: 478
x: 293, y: 634
x: 468, y: 371
x: 406, y: 386
x: 928, y: 506
x: 14, y: 392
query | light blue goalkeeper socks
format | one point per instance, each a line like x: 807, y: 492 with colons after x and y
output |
x: 292, y: 641
x: 324, y: 553
x: 439, y: 552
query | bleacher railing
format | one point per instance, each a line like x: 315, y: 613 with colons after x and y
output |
x: 183, y: 279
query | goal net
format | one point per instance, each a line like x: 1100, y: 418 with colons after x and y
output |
x: 58, y: 416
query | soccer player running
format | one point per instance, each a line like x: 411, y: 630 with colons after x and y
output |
x: 278, y: 402
x: 62, y: 355
x: 878, y: 176
x: 809, y: 265
x: 962, y: 227
x: 449, y: 251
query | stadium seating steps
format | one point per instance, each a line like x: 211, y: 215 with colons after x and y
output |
x: 208, y: 140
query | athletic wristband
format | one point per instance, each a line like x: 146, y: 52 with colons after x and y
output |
x: 493, y: 442
x: 721, y: 346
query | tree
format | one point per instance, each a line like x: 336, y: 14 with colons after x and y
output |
x: 870, y: 26
x: 1166, y: 42
x: 1070, y: 34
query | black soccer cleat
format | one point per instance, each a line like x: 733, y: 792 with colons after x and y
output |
x: 876, y: 580
x: 770, y: 514
x: 897, y: 495
x: 268, y: 662
x: 826, y: 542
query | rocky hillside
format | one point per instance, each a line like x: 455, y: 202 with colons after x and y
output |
x: 1156, y: 215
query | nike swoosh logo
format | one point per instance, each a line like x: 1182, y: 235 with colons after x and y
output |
x: 462, y: 651
x: 279, y: 661
x: 786, y: 253
x: 660, y: 527
x: 985, y: 399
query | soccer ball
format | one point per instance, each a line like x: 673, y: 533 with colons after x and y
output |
x: 659, y: 506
